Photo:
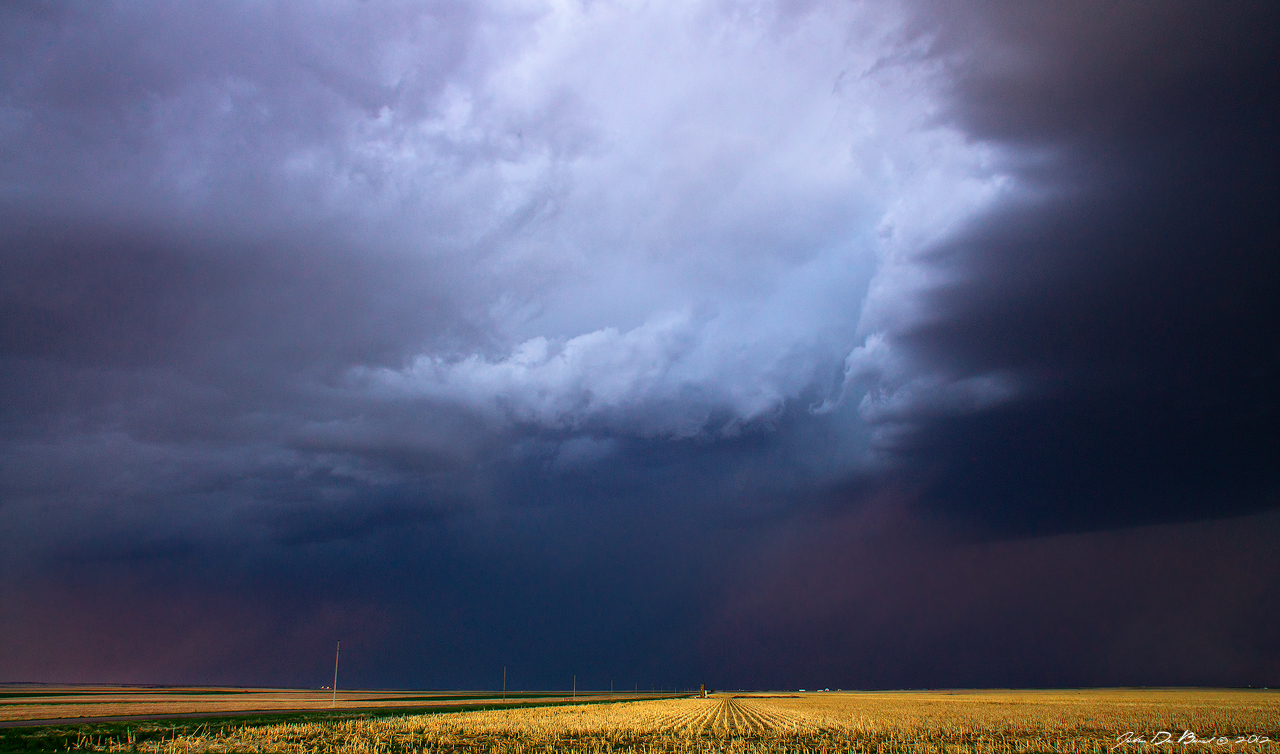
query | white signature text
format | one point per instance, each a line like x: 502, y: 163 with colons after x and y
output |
x: 1188, y: 737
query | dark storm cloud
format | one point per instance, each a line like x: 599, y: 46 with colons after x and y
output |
x: 1101, y: 352
x: 513, y: 333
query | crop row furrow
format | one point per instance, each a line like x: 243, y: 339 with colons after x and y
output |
x: 706, y: 709
x: 742, y: 722
x: 695, y: 719
x: 751, y: 719
x: 713, y: 716
x: 773, y: 718
x: 730, y: 716
x: 713, y: 719
x: 696, y: 723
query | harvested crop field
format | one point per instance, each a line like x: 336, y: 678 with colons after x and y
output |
x: 906, y: 722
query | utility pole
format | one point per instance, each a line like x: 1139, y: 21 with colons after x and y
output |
x: 334, y: 703
x: 504, y: 683
x: 575, y: 686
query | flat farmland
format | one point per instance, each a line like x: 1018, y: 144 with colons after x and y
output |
x: 932, y: 722
x: 31, y: 703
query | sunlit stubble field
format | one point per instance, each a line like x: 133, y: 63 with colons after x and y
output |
x: 1003, y: 721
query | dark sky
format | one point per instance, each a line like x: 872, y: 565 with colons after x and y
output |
x: 764, y: 344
